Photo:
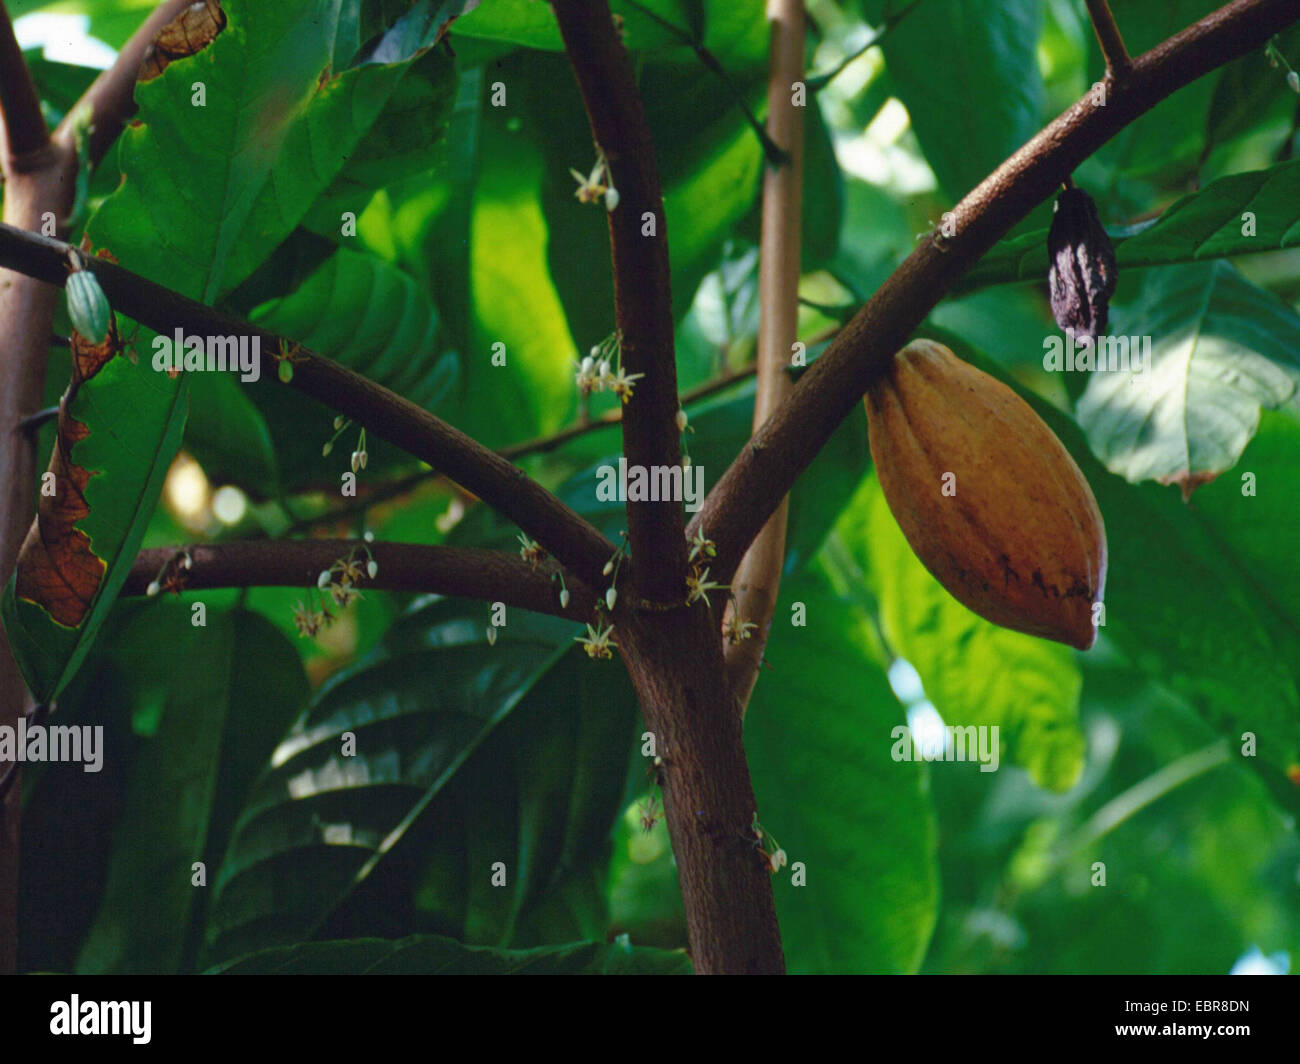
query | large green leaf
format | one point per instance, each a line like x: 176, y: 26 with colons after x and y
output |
x: 321, y: 820
x: 1220, y: 348
x: 370, y: 316
x: 974, y: 672
x: 1256, y: 211
x: 541, y: 795
x: 431, y: 955
x: 818, y: 739
x: 967, y: 71
x: 208, y: 191
x: 207, y: 731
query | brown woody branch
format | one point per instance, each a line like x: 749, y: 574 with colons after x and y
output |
x: 752, y: 488
x: 20, y: 105
x: 1118, y: 62
x: 643, y: 292
x: 492, y: 576
x: 496, y: 481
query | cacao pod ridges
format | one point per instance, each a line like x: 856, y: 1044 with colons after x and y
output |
x: 1021, y: 541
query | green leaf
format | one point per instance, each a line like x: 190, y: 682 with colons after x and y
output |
x: 371, y: 317
x: 1220, y: 349
x: 1208, y: 224
x: 974, y: 672
x: 228, y: 435
x: 818, y: 738
x: 119, y: 430
x: 968, y: 74
x: 431, y: 955
x: 321, y: 820
x: 208, y: 191
x: 221, y: 715
x: 541, y: 795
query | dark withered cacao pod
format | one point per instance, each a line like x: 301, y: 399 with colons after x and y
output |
x: 1083, y: 271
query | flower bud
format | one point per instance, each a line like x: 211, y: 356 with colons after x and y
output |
x: 323, y: 581
x: 1083, y: 271
x: 609, y: 568
x: 369, y: 536
x: 339, y: 422
x: 611, y: 596
x: 564, y: 598
x: 1293, y: 82
x: 325, y: 451
x: 602, y: 368
x: 153, y: 588
x: 492, y: 636
x: 356, y: 461
x: 372, y: 568
x: 681, y: 420
x: 611, y: 199
x: 584, y: 367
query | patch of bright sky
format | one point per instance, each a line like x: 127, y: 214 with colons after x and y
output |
x: 64, y: 39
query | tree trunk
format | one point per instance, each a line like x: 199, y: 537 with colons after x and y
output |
x: 675, y: 660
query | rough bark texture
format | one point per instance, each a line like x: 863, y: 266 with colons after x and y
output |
x: 675, y: 661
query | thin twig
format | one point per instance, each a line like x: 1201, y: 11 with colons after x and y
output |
x: 773, y: 152
x: 817, y: 82
x: 1118, y: 63
x: 758, y: 577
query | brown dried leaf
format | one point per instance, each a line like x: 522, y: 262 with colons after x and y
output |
x: 189, y: 32
x: 57, y: 566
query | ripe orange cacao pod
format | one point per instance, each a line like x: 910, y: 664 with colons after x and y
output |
x: 990, y: 501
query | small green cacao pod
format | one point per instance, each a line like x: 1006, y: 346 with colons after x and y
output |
x: 88, y: 306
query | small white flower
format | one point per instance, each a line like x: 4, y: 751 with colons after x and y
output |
x: 153, y: 588
x: 372, y: 569
x: 611, y: 199
x: 587, y: 363
x: 323, y: 581
x: 369, y: 536
x: 611, y: 596
x: 602, y: 368
x: 564, y: 598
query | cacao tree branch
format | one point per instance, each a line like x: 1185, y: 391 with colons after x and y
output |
x: 758, y: 577
x: 752, y: 488
x: 496, y: 481
x: 642, y: 288
x: 20, y: 104
x: 487, y: 575
x: 110, y: 98
x: 1118, y: 62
